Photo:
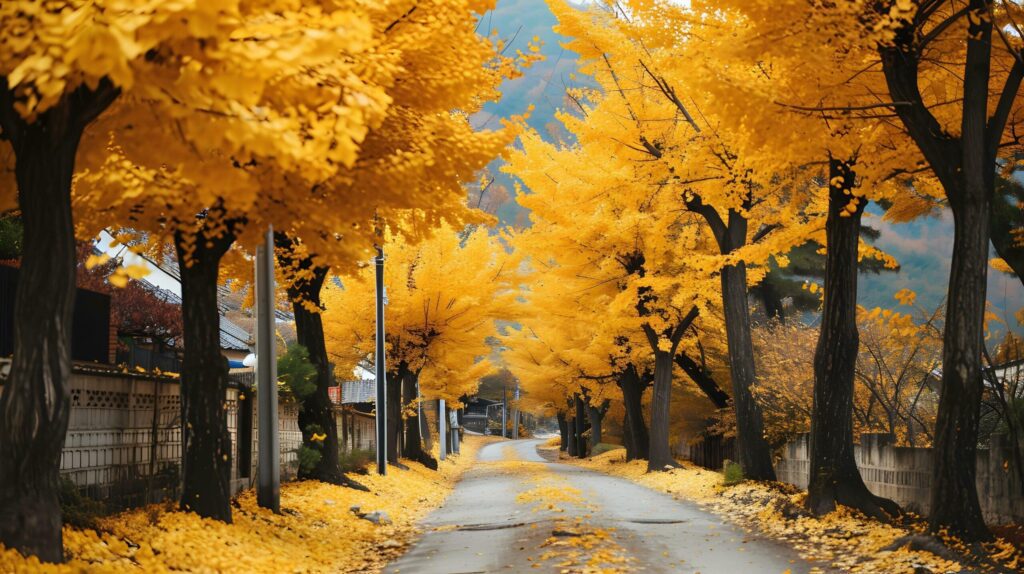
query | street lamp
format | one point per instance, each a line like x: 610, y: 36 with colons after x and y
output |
x: 382, y: 431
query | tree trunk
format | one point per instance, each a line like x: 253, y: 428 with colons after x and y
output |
x: 35, y: 401
x: 751, y: 447
x: 596, y: 416
x: 834, y: 477
x: 770, y: 298
x: 316, y: 416
x: 394, y: 412
x: 412, y: 448
x: 660, y: 454
x: 954, y: 500
x: 206, y: 443
x: 966, y: 168
x: 581, y: 426
x: 633, y: 387
x: 701, y: 376
x: 563, y: 432
x: 571, y: 446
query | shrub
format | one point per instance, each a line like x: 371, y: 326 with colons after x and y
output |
x: 733, y: 472
x: 79, y: 510
x: 355, y: 461
x: 308, y: 458
x: 603, y: 447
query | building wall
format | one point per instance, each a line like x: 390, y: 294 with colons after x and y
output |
x: 904, y: 475
x: 109, y: 448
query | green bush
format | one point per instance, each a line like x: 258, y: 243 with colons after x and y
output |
x: 733, y: 472
x: 308, y: 458
x: 603, y: 447
x: 355, y: 461
x: 79, y: 510
x: 296, y: 372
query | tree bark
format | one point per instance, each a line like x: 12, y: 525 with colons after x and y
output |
x: 316, y: 415
x: 752, y: 449
x: 659, y: 453
x: 581, y: 426
x: 412, y: 448
x: 563, y: 432
x: 965, y: 166
x: 206, y: 443
x: 661, y: 399
x: 393, y: 388
x: 633, y: 387
x: 834, y: 476
x: 35, y: 402
x: 571, y: 446
x: 595, y: 414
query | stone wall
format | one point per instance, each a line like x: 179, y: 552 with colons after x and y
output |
x: 904, y: 474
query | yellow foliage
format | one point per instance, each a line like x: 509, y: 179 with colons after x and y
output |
x: 316, y: 532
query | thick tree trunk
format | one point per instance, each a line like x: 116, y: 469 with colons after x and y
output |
x: 412, y: 448
x: 35, y: 400
x: 581, y: 426
x: 596, y: 416
x: 966, y: 167
x: 751, y: 447
x: 206, y: 443
x: 633, y: 387
x: 834, y: 477
x: 954, y: 500
x: 660, y: 453
x: 563, y: 432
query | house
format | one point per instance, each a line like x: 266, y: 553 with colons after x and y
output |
x: 354, y: 402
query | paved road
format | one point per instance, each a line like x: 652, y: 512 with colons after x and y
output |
x: 538, y: 516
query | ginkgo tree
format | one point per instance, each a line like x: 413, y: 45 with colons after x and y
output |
x: 176, y: 81
x: 448, y: 71
x: 446, y: 294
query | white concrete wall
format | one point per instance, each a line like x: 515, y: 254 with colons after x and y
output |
x: 109, y: 441
x: 904, y: 475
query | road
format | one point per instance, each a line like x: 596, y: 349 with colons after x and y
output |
x: 516, y: 512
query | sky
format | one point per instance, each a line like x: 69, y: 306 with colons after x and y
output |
x: 922, y: 247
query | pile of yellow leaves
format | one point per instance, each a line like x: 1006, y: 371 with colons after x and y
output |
x: 315, y: 532
x: 843, y: 539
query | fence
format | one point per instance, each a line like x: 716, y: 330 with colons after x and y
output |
x: 711, y: 451
x: 903, y: 474
x: 123, y: 443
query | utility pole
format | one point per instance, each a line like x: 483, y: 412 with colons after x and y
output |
x: 442, y: 423
x: 504, y: 412
x: 382, y: 401
x: 268, y: 491
x: 515, y: 414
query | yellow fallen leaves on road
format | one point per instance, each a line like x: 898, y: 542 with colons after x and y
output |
x: 315, y: 532
x: 842, y: 539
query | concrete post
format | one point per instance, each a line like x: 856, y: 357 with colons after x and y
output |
x: 381, y: 370
x: 442, y: 424
x: 268, y: 490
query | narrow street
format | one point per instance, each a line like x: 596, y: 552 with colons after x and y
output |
x: 517, y: 512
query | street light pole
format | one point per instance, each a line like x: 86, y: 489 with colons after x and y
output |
x: 382, y: 430
x: 504, y: 412
x: 515, y: 415
x: 268, y: 491
x: 442, y: 435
